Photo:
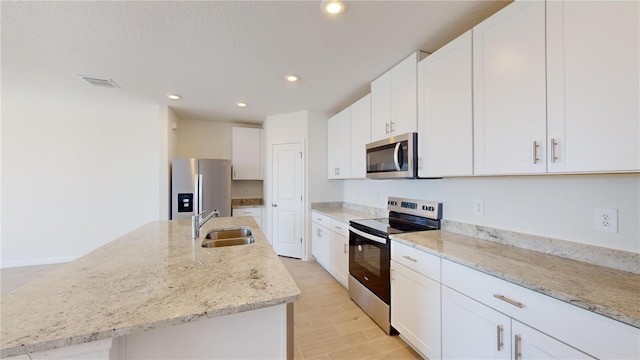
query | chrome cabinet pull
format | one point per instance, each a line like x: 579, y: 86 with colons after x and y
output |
x: 410, y: 258
x: 386, y: 131
x: 554, y: 156
x: 518, y: 347
x: 391, y: 127
x: 345, y: 248
x: 536, y: 147
x: 500, y: 341
x: 338, y: 227
x: 392, y: 277
x: 274, y: 205
x: 510, y: 301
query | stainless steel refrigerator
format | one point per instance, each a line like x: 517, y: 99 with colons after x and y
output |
x: 199, y: 185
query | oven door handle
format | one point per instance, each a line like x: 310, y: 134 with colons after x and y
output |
x: 363, y: 234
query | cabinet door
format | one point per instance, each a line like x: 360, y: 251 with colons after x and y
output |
x: 340, y: 258
x: 404, y: 96
x: 593, y: 86
x: 339, y: 145
x: 415, y: 309
x: 360, y: 136
x: 509, y: 91
x: 381, y: 107
x: 532, y: 344
x: 471, y: 330
x: 247, y: 153
x: 321, y: 245
x: 255, y: 212
x: 445, y: 111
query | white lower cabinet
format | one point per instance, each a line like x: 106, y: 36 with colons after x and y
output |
x: 256, y: 212
x: 480, y: 312
x: 415, y: 298
x: 340, y: 251
x: 321, y: 243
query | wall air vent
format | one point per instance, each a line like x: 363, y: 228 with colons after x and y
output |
x: 108, y: 83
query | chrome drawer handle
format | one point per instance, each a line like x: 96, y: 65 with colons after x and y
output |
x: 410, y: 258
x: 510, y: 301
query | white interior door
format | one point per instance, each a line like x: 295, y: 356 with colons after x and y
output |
x: 287, y: 199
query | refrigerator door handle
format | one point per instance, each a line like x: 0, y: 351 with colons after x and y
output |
x: 196, y: 210
x: 200, y: 209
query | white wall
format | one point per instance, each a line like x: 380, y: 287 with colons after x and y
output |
x: 168, y: 150
x: 555, y: 206
x: 77, y: 172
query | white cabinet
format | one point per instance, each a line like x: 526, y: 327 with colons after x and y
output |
x: 360, y: 136
x: 339, y: 145
x: 394, y: 108
x: 471, y: 330
x: 246, y: 153
x: 445, y: 111
x: 415, y: 294
x: 593, y: 84
x: 340, y: 251
x: 321, y: 239
x: 509, y: 91
x: 479, y: 311
x: 256, y: 212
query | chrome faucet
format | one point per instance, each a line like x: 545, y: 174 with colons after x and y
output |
x: 196, y: 223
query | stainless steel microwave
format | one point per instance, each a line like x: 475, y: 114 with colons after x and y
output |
x: 393, y: 158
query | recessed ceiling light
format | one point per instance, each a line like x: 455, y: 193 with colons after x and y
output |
x: 291, y: 78
x: 332, y: 7
x: 241, y: 104
x: 174, y: 97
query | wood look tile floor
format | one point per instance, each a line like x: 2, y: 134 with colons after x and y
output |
x: 329, y: 325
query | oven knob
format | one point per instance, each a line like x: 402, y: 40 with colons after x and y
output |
x: 359, y: 247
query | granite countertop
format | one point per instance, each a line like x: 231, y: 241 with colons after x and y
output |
x: 343, y: 214
x: 153, y: 277
x: 605, y: 291
x: 246, y: 203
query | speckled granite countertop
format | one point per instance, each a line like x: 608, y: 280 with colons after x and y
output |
x: 606, y: 291
x: 150, y: 278
x: 246, y: 203
x: 337, y: 211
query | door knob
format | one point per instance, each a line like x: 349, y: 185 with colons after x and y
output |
x: 274, y: 205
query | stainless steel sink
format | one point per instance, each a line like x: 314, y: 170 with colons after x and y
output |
x: 228, y: 233
x: 228, y: 242
x: 228, y: 237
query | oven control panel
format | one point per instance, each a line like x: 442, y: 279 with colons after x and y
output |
x: 428, y: 209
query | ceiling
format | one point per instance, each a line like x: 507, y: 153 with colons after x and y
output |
x: 217, y: 53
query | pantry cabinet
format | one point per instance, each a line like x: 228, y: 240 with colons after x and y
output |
x: 394, y: 99
x: 593, y: 84
x: 360, y: 136
x: 340, y: 251
x: 246, y: 153
x: 445, y: 111
x: 415, y: 290
x: 339, y: 146
x: 509, y: 91
x: 321, y: 239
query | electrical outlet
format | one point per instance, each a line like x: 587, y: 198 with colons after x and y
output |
x: 605, y: 220
x: 478, y: 207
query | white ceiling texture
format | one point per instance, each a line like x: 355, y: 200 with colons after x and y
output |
x: 217, y: 53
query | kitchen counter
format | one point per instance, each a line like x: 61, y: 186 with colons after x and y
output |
x: 602, y: 290
x: 246, y: 203
x: 153, y: 277
x: 345, y: 214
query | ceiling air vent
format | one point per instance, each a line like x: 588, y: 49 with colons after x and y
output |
x: 108, y: 83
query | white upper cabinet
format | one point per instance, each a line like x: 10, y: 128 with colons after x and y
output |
x: 394, y: 99
x: 360, y: 136
x: 445, y: 111
x: 593, y: 86
x: 246, y: 153
x: 510, y: 91
x: 339, y: 145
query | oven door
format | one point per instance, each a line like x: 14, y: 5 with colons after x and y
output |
x: 369, y: 262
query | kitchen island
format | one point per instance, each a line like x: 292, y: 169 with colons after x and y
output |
x: 153, y: 285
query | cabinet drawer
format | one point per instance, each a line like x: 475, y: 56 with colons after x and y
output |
x: 416, y: 260
x: 255, y: 211
x: 321, y: 219
x: 340, y: 227
x: 592, y: 333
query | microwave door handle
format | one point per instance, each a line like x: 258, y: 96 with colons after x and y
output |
x: 396, y: 153
x: 363, y: 234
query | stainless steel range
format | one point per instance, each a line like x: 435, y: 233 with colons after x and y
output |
x: 370, y: 253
